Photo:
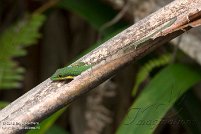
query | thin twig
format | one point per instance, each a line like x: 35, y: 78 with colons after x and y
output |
x: 117, y: 17
x: 46, y: 6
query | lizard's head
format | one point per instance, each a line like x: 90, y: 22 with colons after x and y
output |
x: 61, y: 75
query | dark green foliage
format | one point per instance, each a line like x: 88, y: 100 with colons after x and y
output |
x: 95, y: 13
x: 157, y: 98
x: 46, y: 124
x: 3, y: 104
x: 189, y: 108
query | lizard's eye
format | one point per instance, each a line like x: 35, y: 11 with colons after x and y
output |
x: 59, y: 75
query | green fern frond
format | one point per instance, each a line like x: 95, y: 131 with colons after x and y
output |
x: 148, y: 67
x: 12, y: 42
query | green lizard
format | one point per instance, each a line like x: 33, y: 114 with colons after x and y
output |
x: 76, y: 69
x: 69, y: 72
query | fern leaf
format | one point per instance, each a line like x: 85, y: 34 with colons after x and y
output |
x: 148, y: 67
x: 12, y: 42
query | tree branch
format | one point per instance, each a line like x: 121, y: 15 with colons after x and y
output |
x: 49, y: 96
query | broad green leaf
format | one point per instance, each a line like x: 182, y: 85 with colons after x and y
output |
x: 157, y: 98
x: 3, y: 104
x: 56, y: 130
